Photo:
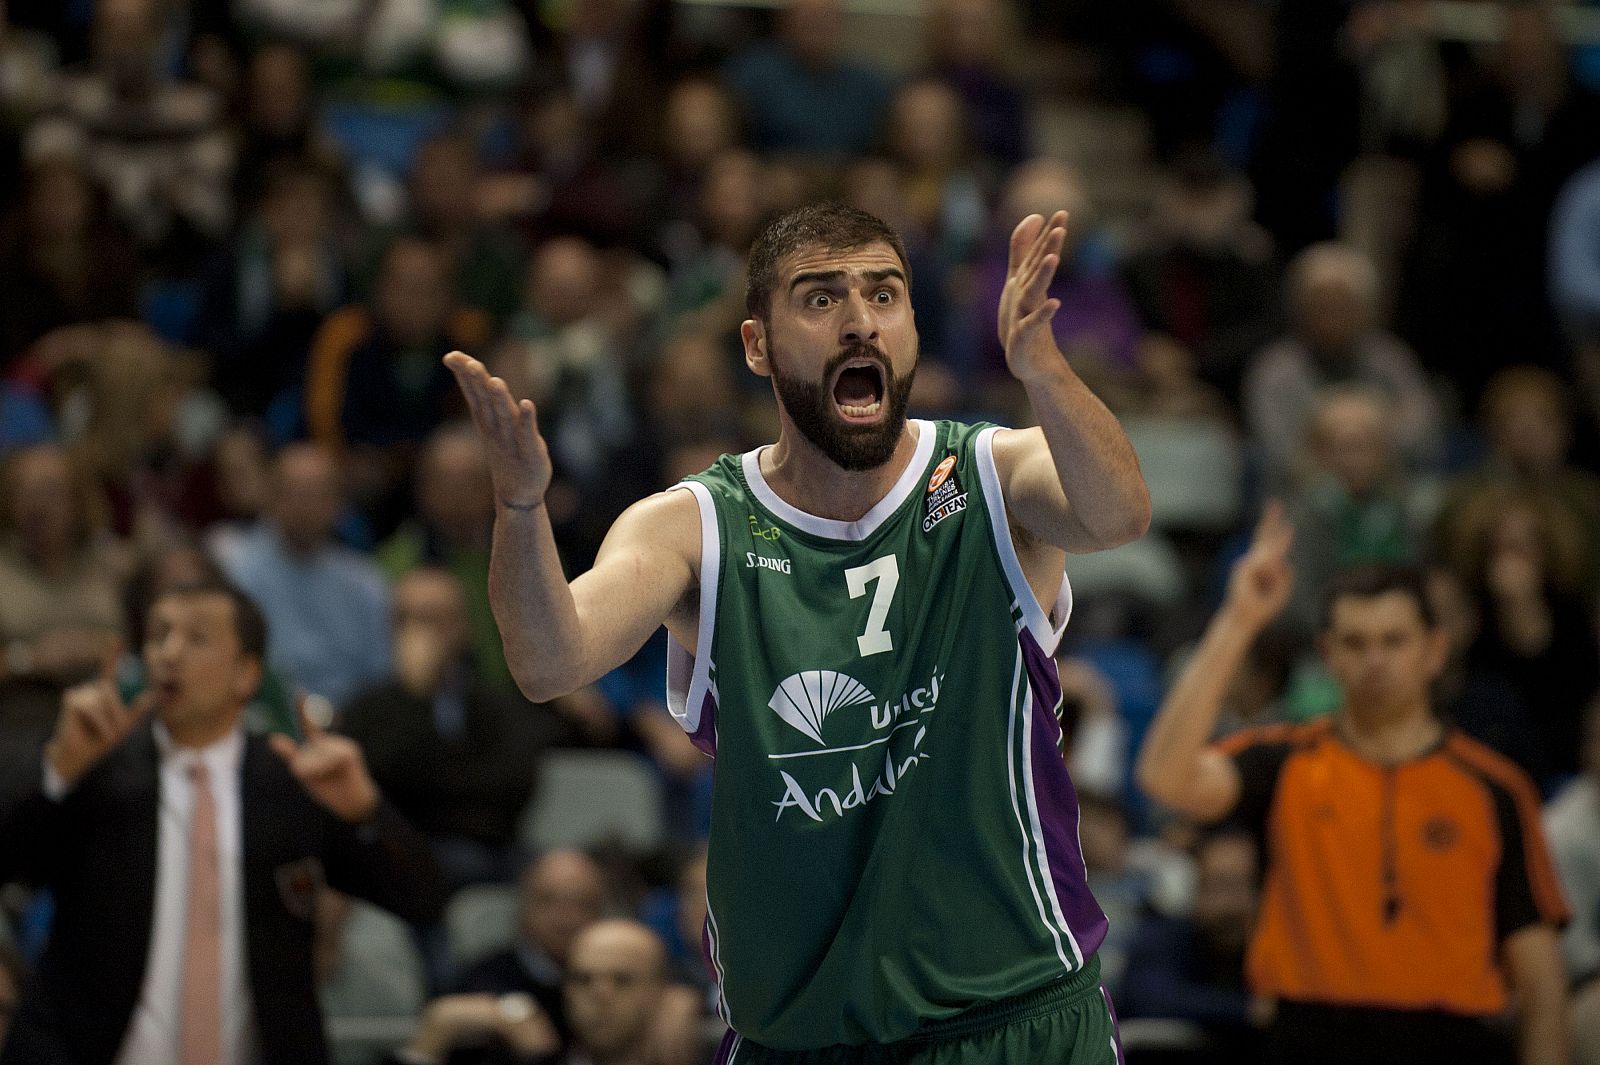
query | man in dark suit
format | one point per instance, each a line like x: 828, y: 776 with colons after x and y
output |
x: 185, y: 859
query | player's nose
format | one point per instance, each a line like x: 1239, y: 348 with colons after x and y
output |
x: 858, y: 325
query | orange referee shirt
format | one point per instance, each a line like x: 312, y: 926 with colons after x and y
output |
x: 1390, y: 886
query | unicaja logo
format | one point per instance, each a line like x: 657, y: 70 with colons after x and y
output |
x: 806, y: 699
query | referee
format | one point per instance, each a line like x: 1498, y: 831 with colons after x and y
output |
x: 1409, y: 902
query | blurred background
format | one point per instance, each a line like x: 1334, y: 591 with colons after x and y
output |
x: 1345, y: 253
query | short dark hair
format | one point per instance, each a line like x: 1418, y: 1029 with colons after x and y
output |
x: 249, y: 624
x: 831, y: 225
x: 1372, y: 579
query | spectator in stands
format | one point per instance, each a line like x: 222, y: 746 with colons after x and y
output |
x: 374, y: 377
x: 1442, y: 909
x: 64, y: 260
x: 1522, y: 559
x: 561, y: 182
x: 157, y: 145
x: 1572, y: 820
x: 192, y: 959
x: 455, y: 754
x: 243, y: 469
x: 1207, y: 277
x: 1191, y: 968
x: 1351, y: 502
x: 1527, y: 416
x: 61, y: 572
x: 1334, y: 337
x: 692, y: 393
x: 563, y: 893
x: 1167, y: 384
x: 566, y: 352
x: 1477, y: 696
x: 700, y: 121
x: 1098, y: 326
x: 278, y: 130
x: 622, y: 1010
x: 450, y: 527
x: 709, y: 257
x: 968, y: 42
x: 141, y: 418
x: 266, y: 296
x: 484, y: 261
x: 620, y: 1005
x: 328, y: 605
x: 943, y: 184
x: 799, y: 92
x: 1515, y: 135
x: 603, y: 58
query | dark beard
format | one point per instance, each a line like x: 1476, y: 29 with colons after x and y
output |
x: 811, y: 407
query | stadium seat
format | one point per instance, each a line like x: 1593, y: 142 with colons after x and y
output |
x: 479, y: 921
x: 371, y: 1002
x: 592, y: 797
x: 1194, y: 467
x: 1148, y: 568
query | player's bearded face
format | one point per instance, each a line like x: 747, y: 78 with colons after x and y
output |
x: 814, y: 405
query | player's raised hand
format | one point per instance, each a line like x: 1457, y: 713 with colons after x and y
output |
x: 1026, y: 307
x: 519, y: 460
x: 93, y: 722
x: 330, y: 767
x: 1262, y: 579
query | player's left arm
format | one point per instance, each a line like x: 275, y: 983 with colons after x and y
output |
x: 1073, y: 481
x: 1532, y: 958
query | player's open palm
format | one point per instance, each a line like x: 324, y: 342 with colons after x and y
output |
x: 1026, y: 307
x: 1262, y: 579
x: 519, y: 460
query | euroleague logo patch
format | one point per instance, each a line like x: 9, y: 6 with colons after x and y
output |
x: 945, y: 496
x: 1440, y: 833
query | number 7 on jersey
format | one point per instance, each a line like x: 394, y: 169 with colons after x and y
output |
x: 886, y: 571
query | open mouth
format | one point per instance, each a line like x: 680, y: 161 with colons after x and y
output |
x: 858, y: 390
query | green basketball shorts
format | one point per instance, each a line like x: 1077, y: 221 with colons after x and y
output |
x: 1069, y: 1022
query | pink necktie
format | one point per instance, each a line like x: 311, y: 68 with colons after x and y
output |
x: 200, y: 1023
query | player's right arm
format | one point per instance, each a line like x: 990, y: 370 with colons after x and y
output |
x: 559, y: 637
x: 1177, y: 765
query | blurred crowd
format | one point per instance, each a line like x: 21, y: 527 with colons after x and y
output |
x: 1358, y: 271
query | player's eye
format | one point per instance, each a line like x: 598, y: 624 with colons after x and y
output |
x: 820, y: 299
x: 884, y: 296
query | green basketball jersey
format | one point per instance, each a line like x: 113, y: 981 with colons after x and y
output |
x: 893, y: 831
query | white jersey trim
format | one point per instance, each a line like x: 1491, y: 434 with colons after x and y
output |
x: 868, y: 523
x: 689, y: 676
x: 1034, y: 617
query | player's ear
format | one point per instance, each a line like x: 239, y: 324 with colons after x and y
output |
x: 754, y: 335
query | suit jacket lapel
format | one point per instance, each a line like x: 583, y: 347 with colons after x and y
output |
x: 144, y: 834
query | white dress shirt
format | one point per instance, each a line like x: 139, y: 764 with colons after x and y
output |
x: 153, y: 1031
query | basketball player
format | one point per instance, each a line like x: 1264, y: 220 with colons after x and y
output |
x: 862, y: 617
